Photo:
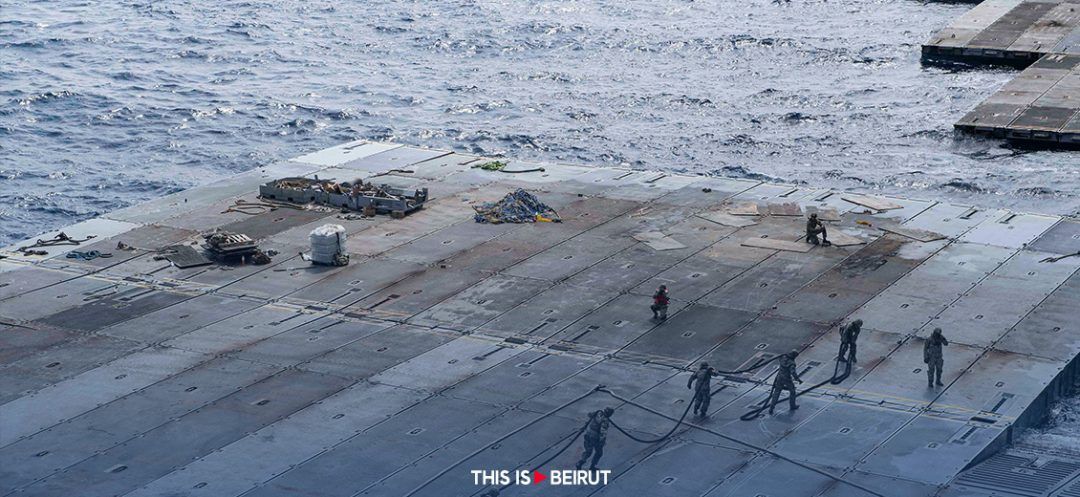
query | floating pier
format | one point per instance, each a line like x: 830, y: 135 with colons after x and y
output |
x: 1042, y: 105
x: 448, y: 345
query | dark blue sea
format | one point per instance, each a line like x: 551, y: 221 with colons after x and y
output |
x: 108, y: 103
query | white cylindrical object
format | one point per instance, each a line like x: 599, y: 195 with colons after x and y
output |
x: 327, y: 241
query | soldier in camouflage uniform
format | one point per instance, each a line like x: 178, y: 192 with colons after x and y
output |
x: 848, y: 336
x: 784, y: 381
x: 932, y: 356
x: 596, y: 436
x: 700, y: 382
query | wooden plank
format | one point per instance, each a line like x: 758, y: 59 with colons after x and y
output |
x: 841, y: 239
x: 775, y: 244
x: 744, y: 209
x: 876, y: 203
x: 785, y: 209
x: 658, y: 241
x: 824, y: 213
x: 914, y: 233
x: 727, y: 219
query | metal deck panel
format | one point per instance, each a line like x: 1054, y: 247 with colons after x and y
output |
x: 951, y: 272
x: 395, y: 158
x: 900, y: 379
x: 480, y: 303
x: 273, y: 450
x: 241, y: 330
x: 762, y: 286
x: 690, y: 333
x: 874, y: 347
x: 32, y: 413
x: 615, y: 324
x: 695, y: 194
x: 447, y: 364
x: 441, y: 167
x: 568, y: 258
x: 281, y: 279
x: 18, y: 342
x: 450, y: 241
x: 547, y: 313
x: 518, y: 378
x: 60, y: 362
x: 999, y: 384
x: 1043, y: 118
x: 989, y: 310
x: 417, y: 293
x: 356, y: 281
x: 53, y: 299
x: 770, y: 477
x: 616, y: 274
x: 375, y: 353
x: 66, y: 444
x: 1051, y: 331
x: 994, y: 115
x: 115, y: 308
x: 1063, y: 238
x: 98, y: 228
x: 893, y: 487
x: 345, y: 152
x: 381, y: 450
x: 628, y: 379
x: 766, y: 335
x: 174, y: 444
x: 26, y: 279
x: 694, y: 278
x: 841, y: 434
x: 930, y: 450
x: 173, y: 321
x: 308, y: 341
x: 676, y: 470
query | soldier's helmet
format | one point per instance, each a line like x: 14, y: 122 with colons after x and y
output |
x: 663, y: 287
x: 857, y: 322
x: 813, y: 216
x: 608, y: 411
x: 704, y: 365
x: 793, y: 354
x: 937, y: 331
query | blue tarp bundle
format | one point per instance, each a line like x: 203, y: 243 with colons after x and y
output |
x: 518, y: 207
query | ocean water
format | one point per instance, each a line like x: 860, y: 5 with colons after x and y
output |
x: 108, y: 103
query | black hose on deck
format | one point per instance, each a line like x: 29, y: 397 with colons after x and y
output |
x: 835, y: 380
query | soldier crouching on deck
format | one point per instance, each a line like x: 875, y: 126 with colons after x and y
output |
x: 814, y: 227
x: 596, y: 436
x: 700, y: 381
x: 660, y: 303
x: 784, y: 381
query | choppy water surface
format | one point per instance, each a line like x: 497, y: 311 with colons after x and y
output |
x: 105, y: 104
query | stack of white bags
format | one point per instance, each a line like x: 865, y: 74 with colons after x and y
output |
x: 328, y: 245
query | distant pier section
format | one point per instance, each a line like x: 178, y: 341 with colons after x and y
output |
x: 1042, y: 105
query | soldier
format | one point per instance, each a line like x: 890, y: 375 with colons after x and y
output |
x: 932, y: 356
x: 702, y: 388
x: 849, y: 335
x: 660, y: 303
x: 596, y: 436
x: 783, y: 381
x: 814, y: 227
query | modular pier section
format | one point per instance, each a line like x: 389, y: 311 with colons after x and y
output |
x: 128, y: 376
x: 1042, y: 105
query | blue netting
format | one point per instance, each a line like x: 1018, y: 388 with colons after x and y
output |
x: 518, y: 207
